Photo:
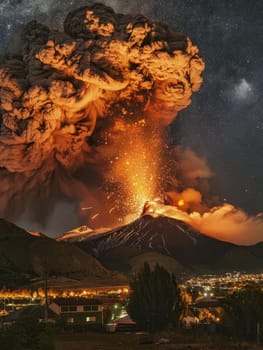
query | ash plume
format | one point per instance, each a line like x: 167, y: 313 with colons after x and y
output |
x: 228, y: 223
x: 225, y: 222
x: 67, y: 96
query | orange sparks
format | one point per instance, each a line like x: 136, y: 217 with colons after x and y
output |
x: 136, y: 168
x: 110, y: 77
x: 94, y: 216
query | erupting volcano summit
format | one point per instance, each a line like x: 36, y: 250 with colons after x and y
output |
x: 70, y: 99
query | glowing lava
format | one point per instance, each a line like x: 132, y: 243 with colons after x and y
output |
x: 156, y: 209
x: 180, y: 203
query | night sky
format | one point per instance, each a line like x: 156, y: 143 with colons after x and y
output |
x: 224, y: 123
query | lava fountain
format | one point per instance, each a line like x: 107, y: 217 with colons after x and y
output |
x: 134, y: 170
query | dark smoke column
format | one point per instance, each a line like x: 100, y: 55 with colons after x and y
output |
x: 67, y: 96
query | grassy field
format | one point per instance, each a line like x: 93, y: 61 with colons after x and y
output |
x: 133, y: 341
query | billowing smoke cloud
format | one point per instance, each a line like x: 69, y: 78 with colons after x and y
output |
x: 195, y: 205
x: 229, y: 224
x: 225, y: 222
x: 188, y: 181
x: 188, y: 199
x: 190, y: 167
x: 66, y: 97
x: 187, y: 170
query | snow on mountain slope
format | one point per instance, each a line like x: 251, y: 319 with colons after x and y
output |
x: 81, y: 233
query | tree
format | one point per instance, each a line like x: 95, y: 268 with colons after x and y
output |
x: 155, y: 299
x: 245, y: 311
x: 27, y: 334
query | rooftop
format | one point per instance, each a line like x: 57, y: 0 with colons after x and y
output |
x: 76, y: 301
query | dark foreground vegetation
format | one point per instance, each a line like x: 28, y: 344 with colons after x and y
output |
x: 28, y: 334
x: 32, y: 336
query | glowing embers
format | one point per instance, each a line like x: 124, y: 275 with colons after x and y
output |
x: 158, y: 207
x: 135, y: 169
x: 181, y: 203
x: 64, y: 93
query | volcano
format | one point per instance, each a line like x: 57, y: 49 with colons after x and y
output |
x: 171, y: 243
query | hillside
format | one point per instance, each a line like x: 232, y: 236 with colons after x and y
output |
x: 24, y: 257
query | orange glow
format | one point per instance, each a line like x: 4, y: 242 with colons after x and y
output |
x: 94, y: 216
x: 31, y: 295
x: 106, y: 74
x: 225, y: 222
x: 180, y: 203
x: 136, y: 168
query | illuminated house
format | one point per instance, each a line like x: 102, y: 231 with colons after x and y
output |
x: 78, y: 311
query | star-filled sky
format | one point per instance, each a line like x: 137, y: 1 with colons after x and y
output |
x: 224, y: 123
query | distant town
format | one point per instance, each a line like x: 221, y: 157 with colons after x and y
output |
x: 202, y: 286
x: 218, y: 285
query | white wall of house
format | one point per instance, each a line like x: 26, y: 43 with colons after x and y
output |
x: 80, y: 308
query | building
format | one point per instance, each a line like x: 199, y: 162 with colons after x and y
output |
x: 36, y: 311
x: 78, y: 311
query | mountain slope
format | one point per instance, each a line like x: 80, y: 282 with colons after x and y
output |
x: 24, y: 256
x: 80, y: 233
x: 168, y: 237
